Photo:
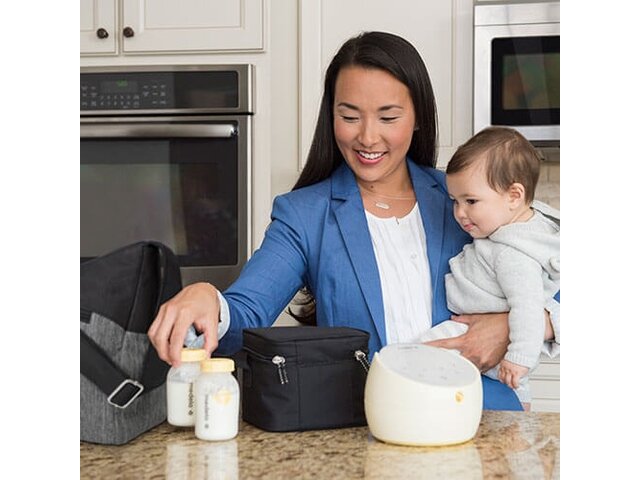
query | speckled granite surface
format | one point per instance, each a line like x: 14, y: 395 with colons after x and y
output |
x: 507, y: 445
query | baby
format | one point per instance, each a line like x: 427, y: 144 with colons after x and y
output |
x: 513, y: 264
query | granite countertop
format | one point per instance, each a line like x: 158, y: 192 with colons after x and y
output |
x: 507, y: 445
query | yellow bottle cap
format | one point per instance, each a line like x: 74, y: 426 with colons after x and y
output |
x: 217, y: 365
x: 193, y: 354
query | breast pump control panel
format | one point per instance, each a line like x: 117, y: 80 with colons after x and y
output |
x: 428, y: 365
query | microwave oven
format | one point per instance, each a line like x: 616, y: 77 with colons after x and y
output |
x: 517, y: 69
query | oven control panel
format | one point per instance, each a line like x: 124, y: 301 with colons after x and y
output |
x: 124, y: 94
x: 123, y: 90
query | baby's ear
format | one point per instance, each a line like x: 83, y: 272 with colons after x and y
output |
x: 516, y: 194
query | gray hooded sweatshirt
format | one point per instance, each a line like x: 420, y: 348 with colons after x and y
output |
x: 515, y: 269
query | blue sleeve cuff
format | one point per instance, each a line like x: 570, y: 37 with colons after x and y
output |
x: 193, y: 340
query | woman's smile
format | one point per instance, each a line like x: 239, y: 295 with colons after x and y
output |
x: 370, y: 158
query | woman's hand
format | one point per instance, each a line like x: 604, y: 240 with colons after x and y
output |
x: 195, y: 304
x: 486, y: 341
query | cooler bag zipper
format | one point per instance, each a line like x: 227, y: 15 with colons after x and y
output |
x: 279, y: 361
x: 362, y: 358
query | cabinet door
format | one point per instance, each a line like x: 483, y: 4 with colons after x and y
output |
x: 98, y: 26
x: 441, y: 30
x: 545, y: 385
x: 192, y: 25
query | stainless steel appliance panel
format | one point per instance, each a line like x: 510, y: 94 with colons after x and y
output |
x: 182, y: 178
x: 514, y: 21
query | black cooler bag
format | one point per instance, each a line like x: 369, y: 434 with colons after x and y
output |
x: 304, y: 378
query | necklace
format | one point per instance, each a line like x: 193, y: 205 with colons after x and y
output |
x: 386, y: 205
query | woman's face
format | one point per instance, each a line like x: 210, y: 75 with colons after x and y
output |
x: 373, y: 121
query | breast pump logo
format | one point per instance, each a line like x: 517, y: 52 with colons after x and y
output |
x: 191, y: 399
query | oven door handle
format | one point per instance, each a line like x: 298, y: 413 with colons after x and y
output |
x: 151, y: 130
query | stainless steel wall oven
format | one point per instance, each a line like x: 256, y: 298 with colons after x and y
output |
x: 165, y: 154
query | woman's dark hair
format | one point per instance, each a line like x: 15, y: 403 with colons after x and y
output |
x: 398, y: 57
x: 392, y: 54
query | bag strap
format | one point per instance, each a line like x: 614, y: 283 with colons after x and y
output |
x: 96, y: 365
x: 100, y: 369
x: 169, y: 272
x: 154, y: 372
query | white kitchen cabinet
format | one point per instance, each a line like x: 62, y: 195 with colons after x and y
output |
x: 545, y: 385
x: 441, y: 30
x: 98, y: 27
x: 166, y: 26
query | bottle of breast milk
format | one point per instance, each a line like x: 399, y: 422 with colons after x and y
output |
x: 217, y: 400
x: 181, y: 406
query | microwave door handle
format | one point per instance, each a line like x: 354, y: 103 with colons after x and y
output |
x: 150, y: 130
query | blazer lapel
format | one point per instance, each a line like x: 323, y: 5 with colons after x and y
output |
x: 352, y: 223
x: 432, y: 205
x: 350, y: 216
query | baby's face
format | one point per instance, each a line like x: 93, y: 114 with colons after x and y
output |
x: 478, y: 208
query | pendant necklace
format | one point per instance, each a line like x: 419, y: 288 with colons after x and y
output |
x: 382, y: 204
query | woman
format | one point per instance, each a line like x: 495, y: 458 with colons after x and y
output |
x: 355, y: 226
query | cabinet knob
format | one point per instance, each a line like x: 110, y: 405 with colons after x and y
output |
x: 102, y: 33
x: 128, y: 32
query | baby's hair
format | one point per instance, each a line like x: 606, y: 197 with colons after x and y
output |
x: 509, y: 158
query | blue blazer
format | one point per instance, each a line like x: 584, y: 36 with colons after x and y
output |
x: 319, y: 237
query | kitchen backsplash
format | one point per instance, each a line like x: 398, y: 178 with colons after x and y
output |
x: 548, y: 190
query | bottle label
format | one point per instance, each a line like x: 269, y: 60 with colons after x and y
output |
x: 191, y: 400
x: 214, y: 402
x: 222, y: 397
x: 206, y: 412
x: 181, y: 403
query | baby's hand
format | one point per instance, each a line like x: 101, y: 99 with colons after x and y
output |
x: 510, y: 373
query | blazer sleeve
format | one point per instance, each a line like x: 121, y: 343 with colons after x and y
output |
x: 271, y: 277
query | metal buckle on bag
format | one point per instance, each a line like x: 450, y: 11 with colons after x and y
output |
x: 126, y: 384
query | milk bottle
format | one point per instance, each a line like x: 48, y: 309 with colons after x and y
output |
x: 217, y: 400
x: 181, y: 410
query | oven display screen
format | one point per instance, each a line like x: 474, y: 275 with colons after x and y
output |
x: 119, y: 86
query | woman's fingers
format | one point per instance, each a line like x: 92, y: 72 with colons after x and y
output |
x: 168, y: 330
x: 206, y: 326
x: 450, y: 343
x: 180, y: 324
x: 195, y: 304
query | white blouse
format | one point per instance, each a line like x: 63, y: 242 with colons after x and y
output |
x: 400, y: 247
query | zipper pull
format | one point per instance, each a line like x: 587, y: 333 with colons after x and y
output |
x: 279, y: 362
x: 362, y: 358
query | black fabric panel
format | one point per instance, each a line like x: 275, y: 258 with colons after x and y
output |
x: 108, y: 284
x: 129, y: 285
x: 325, y: 387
